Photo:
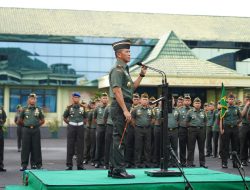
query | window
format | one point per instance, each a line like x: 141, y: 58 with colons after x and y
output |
x: 46, y: 98
x: 1, y: 97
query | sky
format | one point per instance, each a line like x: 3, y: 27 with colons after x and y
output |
x: 238, y: 8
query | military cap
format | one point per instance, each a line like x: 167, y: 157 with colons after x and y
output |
x: 136, y: 95
x: 205, y: 104
x: 187, y: 97
x: 144, y: 95
x: 32, y: 95
x: 104, y: 94
x: 18, y: 106
x: 83, y: 102
x: 197, y: 99
x: 180, y: 98
x: 247, y: 96
x: 152, y: 98
x: 76, y: 94
x: 124, y: 44
x: 97, y: 99
x: 211, y: 103
x: 231, y: 95
x: 91, y: 101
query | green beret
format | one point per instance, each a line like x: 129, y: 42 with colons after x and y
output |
x: 104, y: 94
x: 180, y: 98
x: 197, y: 99
x: 136, y: 95
x: 32, y: 95
x: 152, y: 98
x: 144, y: 95
x: 187, y: 97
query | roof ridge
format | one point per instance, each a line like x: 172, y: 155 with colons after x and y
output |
x: 127, y: 12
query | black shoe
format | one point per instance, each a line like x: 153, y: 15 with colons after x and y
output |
x: 97, y: 165
x: 92, y: 164
x: 191, y: 165
x: 128, y: 166
x: 224, y: 165
x: 80, y: 168
x: 208, y: 155
x: 33, y: 167
x: 203, y: 166
x: 23, y: 168
x: 85, y: 162
x: 244, y: 163
x: 105, y: 167
x: 214, y: 156
x: 183, y: 165
x: 2, y: 169
x: 147, y: 166
x: 139, y: 166
x: 110, y: 173
x: 69, y: 168
x: 235, y: 165
x: 123, y: 175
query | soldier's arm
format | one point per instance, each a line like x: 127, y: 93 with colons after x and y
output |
x: 119, y: 98
x: 188, y: 119
x: 239, y: 116
x: 246, y: 107
x: 41, y: 117
x: 133, y: 116
x: 205, y: 120
x: 4, y: 117
x: 152, y: 118
x: 90, y: 118
x: 66, y: 116
x: 105, y: 115
x: 221, y: 123
x: 20, y: 120
x: 95, y: 115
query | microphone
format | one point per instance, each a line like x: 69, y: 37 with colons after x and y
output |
x: 173, y: 154
x: 152, y: 68
x: 236, y: 159
x: 140, y: 64
x: 156, y: 101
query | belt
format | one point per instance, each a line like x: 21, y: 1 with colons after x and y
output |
x: 75, y: 123
x: 172, y: 129
x: 127, y: 100
x: 196, y: 127
x: 30, y: 127
x: 231, y: 126
x: 143, y: 126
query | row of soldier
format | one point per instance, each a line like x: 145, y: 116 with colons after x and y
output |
x: 89, y: 132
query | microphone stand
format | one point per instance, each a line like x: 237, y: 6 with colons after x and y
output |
x: 164, y: 140
x: 188, y: 184
x: 243, y: 177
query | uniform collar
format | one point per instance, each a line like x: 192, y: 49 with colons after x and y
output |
x: 31, y: 106
x: 122, y: 63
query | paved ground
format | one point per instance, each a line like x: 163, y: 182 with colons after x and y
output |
x: 54, y: 154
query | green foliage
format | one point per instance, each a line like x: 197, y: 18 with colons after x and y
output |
x: 53, y: 125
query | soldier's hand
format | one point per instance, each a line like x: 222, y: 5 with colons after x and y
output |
x: 222, y: 131
x: 143, y: 70
x: 127, y: 115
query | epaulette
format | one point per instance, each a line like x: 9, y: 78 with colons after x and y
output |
x: 69, y: 106
x: 119, y: 68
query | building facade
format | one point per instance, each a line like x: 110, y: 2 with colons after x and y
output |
x: 56, y: 52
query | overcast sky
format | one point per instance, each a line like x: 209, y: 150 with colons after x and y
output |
x: 192, y: 7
